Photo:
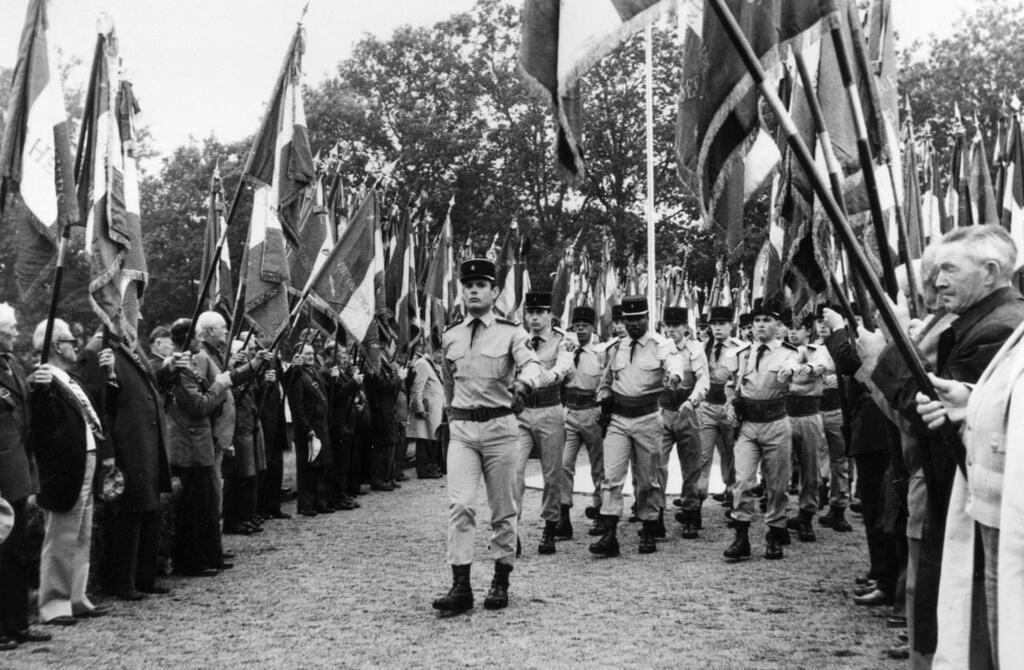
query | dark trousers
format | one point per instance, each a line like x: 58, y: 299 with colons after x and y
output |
x: 13, y: 575
x: 309, y: 475
x: 338, y: 476
x: 885, y: 564
x: 135, y: 539
x: 197, y: 539
x: 239, y: 500
x: 428, y: 453
x: 271, y: 479
x: 382, y: 456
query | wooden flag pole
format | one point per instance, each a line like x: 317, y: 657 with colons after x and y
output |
x: 652, y: 305
x: 58, y: 275
x: 900, y: 339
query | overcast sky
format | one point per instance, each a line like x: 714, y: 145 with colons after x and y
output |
x: 206, y: 66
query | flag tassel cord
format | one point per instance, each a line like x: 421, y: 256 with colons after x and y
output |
x: 841, y: 226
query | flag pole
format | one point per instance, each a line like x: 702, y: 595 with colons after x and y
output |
x: 841, y: 226
x: 649, y: 206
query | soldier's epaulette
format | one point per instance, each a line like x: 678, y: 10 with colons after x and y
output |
x: 737, y: 342
x: 743, y: 346
x: 559, y: 330
x: 507, y: 322
x: 452, y: 325
x: 602, y: 347
x: 791, y: 347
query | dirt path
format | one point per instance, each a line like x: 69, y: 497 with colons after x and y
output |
x: 353, y: 589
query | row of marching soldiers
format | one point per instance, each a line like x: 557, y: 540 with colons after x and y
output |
x: 105, y: 421
x: 764, y: 397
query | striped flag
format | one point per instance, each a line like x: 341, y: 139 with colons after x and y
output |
x: 1013, y: 193
x: 108, y: 193
x: 981, y: 193
x: 280, y: 169
x: 439, y: 295
x: 958, y: 200
x: 400, y: 279
x: 561, y: 40
x: 933, y: 207
x: 219, y: 296
x: 35, y: 155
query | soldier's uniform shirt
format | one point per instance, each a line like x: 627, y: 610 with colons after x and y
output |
x: 807, y: 386
x: 681, y: 428
x: 764, y: 370
x: 635, y: 377
x: 715, y: 427
x: 542, y: 427
x: 581, y: 418
x: 481, y: 356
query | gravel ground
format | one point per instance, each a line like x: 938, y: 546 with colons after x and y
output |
x: 353, y: 589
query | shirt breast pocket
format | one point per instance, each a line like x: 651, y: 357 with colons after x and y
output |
x: 493, y: 361
x: 456, y: 357
x: 650, y: 368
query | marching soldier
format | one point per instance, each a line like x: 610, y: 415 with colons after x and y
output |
x: 618, y: 326
x: 582, y: 428
x: 764, y: 371
x: 832, y: 459
x: 680, y: 427
x: 637, y: 370
x: 542, y: 421
x: 715, y: 429
x: 481, y: 354
x: 803, y: 404
x: 745, y: 327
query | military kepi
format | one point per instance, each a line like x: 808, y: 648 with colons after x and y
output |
x: 634, y: 305
x: 720, y: 314
x: 478, y: 268
x: 616, y: 312
x: 584, y: 314
x: 538, y: 300
x: 770, y: 307
x: 675, y: 316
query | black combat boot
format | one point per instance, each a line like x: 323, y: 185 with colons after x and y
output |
x: 497, y: 596
x: 659, y: 525
x: 648, y: 531
x: 823, y: 493
x: 592, y: 512
x: 596, y: 529
x: 839, y: 522
x: 773, y: 543
x: 460, y: 596
x: 691, y: 524
x: 608, y: 545
x: 805, y: 529
x: 563, y: 531
x: 739, y: 550
x: 547, y: 540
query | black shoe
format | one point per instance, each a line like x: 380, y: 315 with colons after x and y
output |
x: 839, y: 522
x: 608, y: 545
x: 345, y: 505
x: 862, y: 579
x: 278, y: 515
x: 805, y: 529
x: 381, y: 485
x: 659, y: 526
x: 29, y: 635
x: 7, y: 644
x: 196, y: 572
x: 773, y: 543
x: 739, y: 549
x: 873, y: 598
x: 563, y: 531
x: 224, y: 565
x: 460, y: 596
x: 92, y: 613
x: 678, y: 502
x: 130, y: 595
x: 719, y: 497
x: 155, y: 590
x: 64, y: 620
x: 240, y: 529
x: 592, y: 512
x: 856, y: 507
x: 827, y: 520
x: 307, y: 512
x: 647, y: 534
x: 394, y: 483
x: 784, y: 537
x: 547, y: 540
x: 497, y: 596
x: 596, y: 530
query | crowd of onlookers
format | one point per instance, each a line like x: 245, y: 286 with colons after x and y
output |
x: 163, y: 452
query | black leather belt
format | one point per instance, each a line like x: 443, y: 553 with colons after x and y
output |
x: 764, y: 411
x: 579, y: 399
x: 672, y: 399
x: 631, y: 407
x: 831, y: 401
x: 547, y: 396
x: 803, y: 405
x: 478, y: 414
x: 716, y: 394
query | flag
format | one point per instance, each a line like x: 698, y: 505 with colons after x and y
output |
x: 108, y: 193
x: 439, y: 287
x: 219, y: 295
x: 507, y: 262
x: 561, y: 40
x: 280, y: 169
x: 1013, y: 193
x: 912, y: 194
x: 933, y: 207
x: 400, y: 280
x: 345, y: 282
x: 766, y: 280
x: 719, y: 122
x: 610, y: 294
x: 561, y: 284
x: 981, y: 195
x: 35, y: 154
x: 958, y: 200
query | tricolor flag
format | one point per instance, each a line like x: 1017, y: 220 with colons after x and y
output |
x: 979, y: 188
x: 219, y: 296
x: 934, y: 221
x: 400, y: 279
x: 35, y: 155
x: 958, y: 209
x: 1013, y: 193
x: 507, y: 262
x: 561, y: 40
x: 280, y: 168
x: 108, y: 193
x: 439, y: 288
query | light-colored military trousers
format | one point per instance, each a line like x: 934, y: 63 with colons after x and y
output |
x: 64, y: 559
x: 832, y: 459
x: 768, y: 444
x: 485, y: 448
x: 543, y: 427
x: 640, y: 439
x: 582, y: 430
x: 715, y: 430
x: 808, y: 440
x: 679, y: 429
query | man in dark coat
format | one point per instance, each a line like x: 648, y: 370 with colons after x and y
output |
x: 308, y: 401
x: 382, y: 391
x: 66, y: 440
x: 16, y: 485
x: 975, y: 269
x: 131, y: 406
x: 275, y: 442
x: 343, y: 383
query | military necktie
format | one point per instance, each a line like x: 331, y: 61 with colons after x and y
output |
x: 760, y: 352
x: 718, y: 351
x: 536, y: 342
x: 474, y: 325
x: 576, y: 357
x: 632, y: 348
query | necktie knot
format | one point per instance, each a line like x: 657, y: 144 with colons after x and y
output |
x: 760, y: 352
x: 474, y: 326
x: 536, y: 342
